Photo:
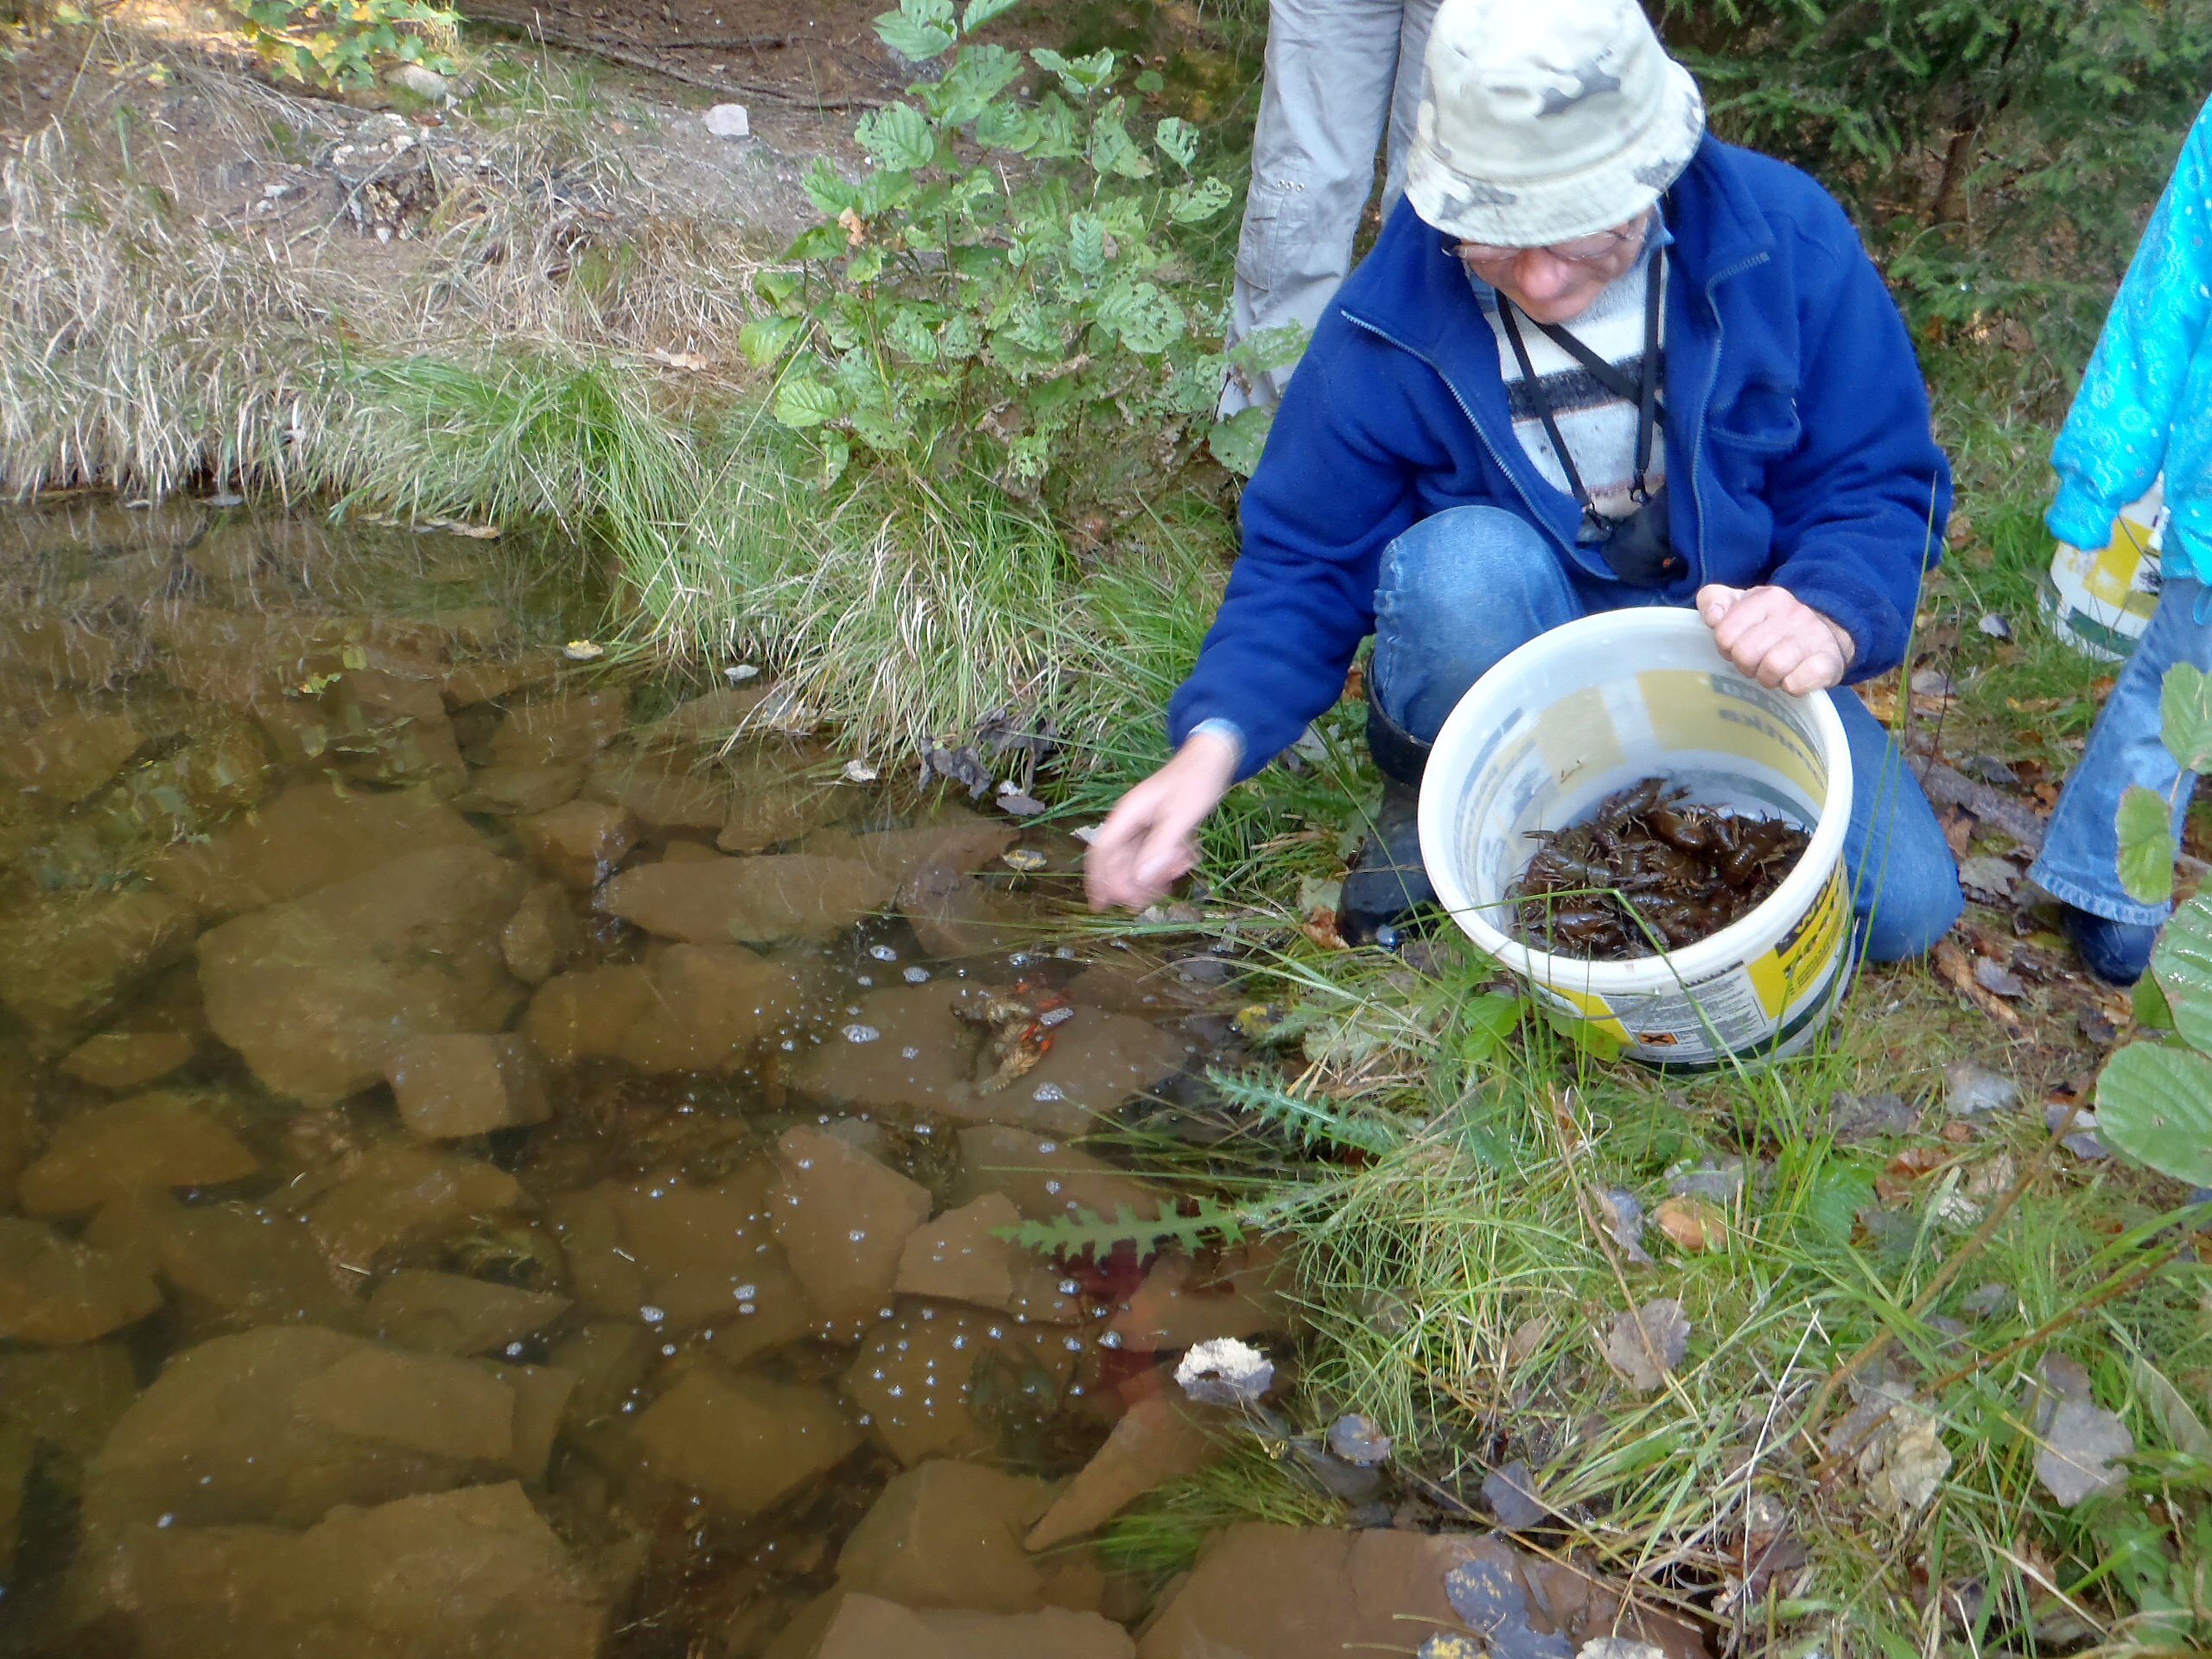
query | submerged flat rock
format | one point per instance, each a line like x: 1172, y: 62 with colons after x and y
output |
x: 476, y: 1571
x: 868, y: 1627
x: 54, y: 1289
x: 155, y: 1140
x: 742, y: 1441
x: 277, y: 1425
x: 319, y: 993
x: 312, y: 834
x: 789, y: 895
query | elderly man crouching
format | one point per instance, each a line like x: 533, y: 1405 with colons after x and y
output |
x: 1733, y: 420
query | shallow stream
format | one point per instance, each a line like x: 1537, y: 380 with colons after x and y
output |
x: 485, y: 1168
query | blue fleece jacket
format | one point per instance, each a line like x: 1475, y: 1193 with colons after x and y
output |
x: 2146, y: 403
x: 1798, y: 447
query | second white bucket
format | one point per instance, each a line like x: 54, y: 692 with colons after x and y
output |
x: 1591, y: 708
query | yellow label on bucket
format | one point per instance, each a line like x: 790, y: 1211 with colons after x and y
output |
x: 1592, y: 1007
x: 1691, y: 709
x: 2112, y: 578
x: 1802, y: 956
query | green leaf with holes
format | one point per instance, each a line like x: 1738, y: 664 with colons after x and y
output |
x: 804, y: 401
x: 1141, y: 316
x: 898, y: 137
x: 2146, y: 845
x: 909, y: 334
x: 2181, y: 967
x: 1179, y: 140
x: 1197, y: 201
x: 1081, y: 76
x: 1113, y: 152
x: 2154, y: 1103
x: 1237, y: 442
x: 2185, y: 708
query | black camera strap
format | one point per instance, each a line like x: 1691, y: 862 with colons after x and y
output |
x: 1643, y: 393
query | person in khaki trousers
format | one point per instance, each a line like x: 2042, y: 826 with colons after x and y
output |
x: 1340, y: 73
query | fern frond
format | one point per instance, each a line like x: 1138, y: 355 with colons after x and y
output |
x: 1310, y: 1122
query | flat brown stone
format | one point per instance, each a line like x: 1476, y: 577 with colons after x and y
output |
x: 1156, y: 1441
x: 310, y: 835
x: 580, y: 843
x: 466, y: 1083
x: 843, y: 1220
x: 155, y: 1141
x: 476, y: 1573
x: 946, y: 1534
x: 741, y: 1442
x: 451, y: 1314
x: 867, y: 1627
x: 744, y: 899
x: 54, y: 1289
x: 319, y: 993
x: 124, y: 1059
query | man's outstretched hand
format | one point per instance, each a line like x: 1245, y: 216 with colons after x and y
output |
x: 1149, y: 839
x: 1777, y: 637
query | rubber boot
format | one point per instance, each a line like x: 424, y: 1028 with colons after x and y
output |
x: 2116, y: 952
x: 1386, y: 881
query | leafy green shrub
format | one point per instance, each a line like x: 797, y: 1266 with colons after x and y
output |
x: 1002, y: 284
x: 345, y: 42
x: 2154, y: 1100
x: 2000, y: 155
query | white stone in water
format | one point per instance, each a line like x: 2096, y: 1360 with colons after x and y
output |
x: 1224, y: 1372
x: 859, y: 1033
x: 917, y: 975
x: 883, y: 953
x: 730, y: 121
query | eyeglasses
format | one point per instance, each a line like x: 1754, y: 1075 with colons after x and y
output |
x: 1579, y: 251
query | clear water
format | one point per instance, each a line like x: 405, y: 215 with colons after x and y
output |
x: 465, y: 1137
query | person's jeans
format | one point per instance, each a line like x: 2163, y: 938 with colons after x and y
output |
x: 2080, y: 860
x: 1338, y: 72
x: 1461, y: 590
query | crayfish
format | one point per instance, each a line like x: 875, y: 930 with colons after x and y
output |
x: 1648, y: 863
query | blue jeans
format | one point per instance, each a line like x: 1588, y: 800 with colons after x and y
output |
x: 1461, y: 590
x: 2080, y: 860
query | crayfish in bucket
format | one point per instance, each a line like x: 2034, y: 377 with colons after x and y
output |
x: 1649, y: 864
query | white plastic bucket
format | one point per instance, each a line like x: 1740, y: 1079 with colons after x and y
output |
x: 2100, y: 600
x: 1591, y: 708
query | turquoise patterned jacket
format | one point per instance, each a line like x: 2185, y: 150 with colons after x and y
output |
x: 2146, y: 403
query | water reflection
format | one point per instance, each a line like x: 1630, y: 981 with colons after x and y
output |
x: 482, y: 1173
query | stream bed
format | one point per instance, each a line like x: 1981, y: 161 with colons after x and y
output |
x: 486, y: 1167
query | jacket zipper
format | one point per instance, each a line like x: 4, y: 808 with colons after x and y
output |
x: 1705, y: 406
x: 1497, y: 460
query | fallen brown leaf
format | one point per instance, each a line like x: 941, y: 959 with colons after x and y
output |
x: 1320, y: 927
x: 1528, y: 1337
x: 1694, y: 1224
x: 1957, y: 972
x: 1647, y: 1342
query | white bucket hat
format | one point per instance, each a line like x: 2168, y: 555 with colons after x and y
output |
x: 1544, y: 120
